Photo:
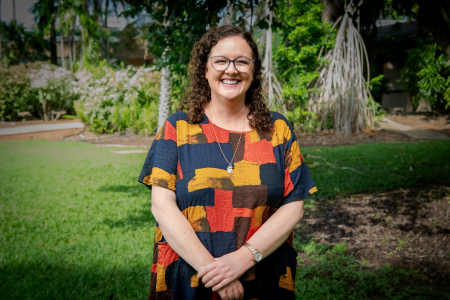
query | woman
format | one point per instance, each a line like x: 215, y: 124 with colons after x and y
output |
x: 228, y: 183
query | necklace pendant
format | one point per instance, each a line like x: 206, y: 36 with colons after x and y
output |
x: 230, y: 169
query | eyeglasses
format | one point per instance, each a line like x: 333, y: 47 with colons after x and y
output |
x: 241, y: 64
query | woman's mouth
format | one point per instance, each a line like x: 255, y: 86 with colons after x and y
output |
x: 230, y: 81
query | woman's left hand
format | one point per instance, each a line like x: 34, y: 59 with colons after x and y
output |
x: 226, y: 269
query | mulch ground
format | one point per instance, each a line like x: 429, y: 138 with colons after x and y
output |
x: 406, y: 228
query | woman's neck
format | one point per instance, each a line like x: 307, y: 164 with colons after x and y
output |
x: 228, y: 115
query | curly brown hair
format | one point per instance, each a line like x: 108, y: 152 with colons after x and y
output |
x: 199, y: 92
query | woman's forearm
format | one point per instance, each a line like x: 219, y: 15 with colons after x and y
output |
x: 177, y: 230
x: 276, y: 229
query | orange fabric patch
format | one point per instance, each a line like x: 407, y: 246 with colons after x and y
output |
x: 288, y: 185
x: 166, y: 255
x: 208, y: 131
x: 195, y: 281
x: 154, y: 268
x: 221, y: 216
x: 260, y: 152
x: 170, y: 133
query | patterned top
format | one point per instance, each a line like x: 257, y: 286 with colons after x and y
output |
x: 224, y: 209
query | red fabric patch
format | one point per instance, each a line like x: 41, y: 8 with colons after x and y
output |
x: 208, y: 131
x: 154, y: 268
x: 288, y: 185
x: 166, y: 255
x: 170, y: 133
x: 290, y: 239
x: 216, y: 296
x: 260, y: 152
x: 180, y: 173
x: 251, y: 232
x: 221, y: 215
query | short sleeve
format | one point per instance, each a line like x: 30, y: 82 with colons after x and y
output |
x: 160, y: 166
x: 298, y: 182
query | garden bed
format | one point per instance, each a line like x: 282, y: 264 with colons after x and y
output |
x: 409, y: 229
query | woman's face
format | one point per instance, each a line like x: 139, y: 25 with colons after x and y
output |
x: 229, y: 85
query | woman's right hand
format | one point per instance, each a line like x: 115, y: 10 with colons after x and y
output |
x: 232, y: 291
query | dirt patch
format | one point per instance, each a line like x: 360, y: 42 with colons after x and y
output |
x: 373, y: 136
x: 406, y: 228
x: 54, y: 135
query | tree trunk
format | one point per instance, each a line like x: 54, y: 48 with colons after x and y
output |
x: 61, y: 36
x: 229, y: 17
x: 14, y: 10
x: 1, y: 58
x: 53, y: 54
x: 163, y: 111
x: 105, y: 25
x: 74, y: 43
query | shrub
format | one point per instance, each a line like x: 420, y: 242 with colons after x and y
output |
x: 114, y: 100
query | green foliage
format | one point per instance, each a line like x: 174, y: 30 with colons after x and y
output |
x: 426, y: 73
x: 20, y: 46
x: 16, y: 93
x: 299, y: 35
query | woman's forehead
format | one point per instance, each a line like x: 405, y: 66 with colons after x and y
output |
x: 232, y: 47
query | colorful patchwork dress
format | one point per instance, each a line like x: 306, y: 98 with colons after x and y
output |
x: 224, y: 209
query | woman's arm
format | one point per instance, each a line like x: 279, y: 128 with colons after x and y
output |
x: 267, y: 239
x: 177, y: 230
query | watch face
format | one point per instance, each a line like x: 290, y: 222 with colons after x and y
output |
x: 258, y: 256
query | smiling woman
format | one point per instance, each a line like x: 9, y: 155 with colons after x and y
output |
x: 226, y: 193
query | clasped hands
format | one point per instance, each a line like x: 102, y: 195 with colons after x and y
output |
x: 222, y: 274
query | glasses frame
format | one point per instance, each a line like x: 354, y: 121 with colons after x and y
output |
x: 231, y: 61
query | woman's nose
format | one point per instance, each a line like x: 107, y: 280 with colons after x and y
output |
x: 231, y: 68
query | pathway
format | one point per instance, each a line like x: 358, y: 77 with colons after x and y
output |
x: 414, y: 132
x: 39, y: 128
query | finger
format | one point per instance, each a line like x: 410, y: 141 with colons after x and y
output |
x: 208, y: 268
x: 211, y: 275
x: 214, y: 281
x: 236, y: 293
x: 223, y: 294
x: 220, y: 284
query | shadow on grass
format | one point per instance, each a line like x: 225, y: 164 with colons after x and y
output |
x: 143, y: 217
x: 47, y: 280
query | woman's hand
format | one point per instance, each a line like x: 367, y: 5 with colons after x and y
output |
x: 233, y: 291
x: 226, y: 269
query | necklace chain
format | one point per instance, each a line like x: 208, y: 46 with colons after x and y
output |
x: 242, y: 131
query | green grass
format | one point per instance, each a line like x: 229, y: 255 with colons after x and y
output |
x: 75, y: 224
x: 383, y: 166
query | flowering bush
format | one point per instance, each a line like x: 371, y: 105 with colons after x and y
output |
x: 113, y: 100
x: 54, y: 89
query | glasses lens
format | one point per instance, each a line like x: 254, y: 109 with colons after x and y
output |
x: 243, y: 64
x: 220, y: 63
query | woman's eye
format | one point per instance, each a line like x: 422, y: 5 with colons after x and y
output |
x: 220, y: 61
x: 243, y: 62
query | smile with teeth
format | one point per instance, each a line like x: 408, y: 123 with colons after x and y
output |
x: 230, y: 82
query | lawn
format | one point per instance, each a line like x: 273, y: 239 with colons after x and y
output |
x: 75, y: 224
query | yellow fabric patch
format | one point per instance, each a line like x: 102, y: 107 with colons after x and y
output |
x: 313, y: 190
x: 195, y: 281
x: 295, y: 154
x: 252, y: 136
x: 282, y: 133
x: 161, y: 178
x: 245, y: 173
x: 286, y: 280
x: 257, y: 216
x: 186, y: 132
x: 161, y: 285
x: 209, y: 178
x: 194, y: 214
x: 158, y: 234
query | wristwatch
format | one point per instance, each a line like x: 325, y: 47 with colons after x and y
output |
x: 257, y: 256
